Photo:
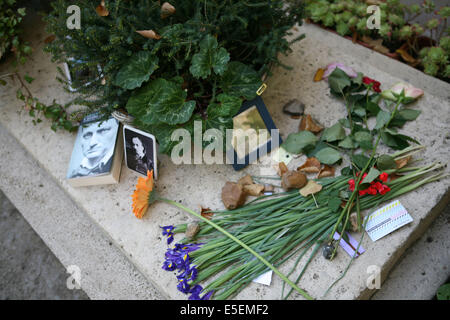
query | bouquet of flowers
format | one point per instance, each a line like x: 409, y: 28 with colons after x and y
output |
x: 233, y: 247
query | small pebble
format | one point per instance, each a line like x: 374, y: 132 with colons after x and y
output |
x: 294, y: 108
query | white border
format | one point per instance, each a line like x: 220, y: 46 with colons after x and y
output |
x: 155, y: 160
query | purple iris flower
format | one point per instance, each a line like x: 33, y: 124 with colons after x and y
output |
x: 196, y: 290
x: 183, y: 286
x: 169, y: 265
x: 167, y: 231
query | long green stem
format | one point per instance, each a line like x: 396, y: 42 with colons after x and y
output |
x: 282, y: 276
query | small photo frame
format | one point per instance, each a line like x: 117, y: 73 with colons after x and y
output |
x: 72, y: 73
x: 249, y: 145
x: 140, y: 150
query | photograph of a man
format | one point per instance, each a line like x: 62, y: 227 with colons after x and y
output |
x: 139, y: 150
x: 95, y: 142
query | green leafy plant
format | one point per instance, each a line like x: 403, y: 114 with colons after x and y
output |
x: 168, y: 65
x: 10, y: 19
x: 425, y: 46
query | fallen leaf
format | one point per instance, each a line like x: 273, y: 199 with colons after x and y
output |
x: 293, y: 180
x: 311, y: 165
x: 149, y: 34
x: 206, y: 213
x: 319, y: 74
x: 192, y: 229
x: 311, y: 187
x: 376, y: 45
x: 245, y: 180
x: 406, y: 56
x: 269, y: 188
x: 355, y: 36
x: 344, y: 203
x: 253, y: 189
x: 233, y: 195
x: 354, y: 222
x: 326, y: 171
x: 167, y: 10
x: 402, y: 162
x: 101, y: 9
x: 282, y: 169
x: 394, y: 176
x: 50, y: 39
x: 308, y: 124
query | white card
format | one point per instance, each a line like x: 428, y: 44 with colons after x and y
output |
x: 281, y: 155
x: 387, y: 219
x: 265, y: 278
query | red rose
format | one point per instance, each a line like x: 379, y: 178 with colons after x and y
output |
x: 375, y: 84
x: 385, y: 189
x: 351, y: 184
x: 383, y: 177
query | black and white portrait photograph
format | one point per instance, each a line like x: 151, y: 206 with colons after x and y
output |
x: 94, y: 149
x: 140, y: 150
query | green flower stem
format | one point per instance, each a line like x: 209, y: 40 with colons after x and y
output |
x: 349, y: 203
x: 283, y: 277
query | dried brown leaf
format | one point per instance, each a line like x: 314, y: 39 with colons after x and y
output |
x: 206, y: 213
x: 376, y: 45
x: 406, y: 56
x: 311, y: 187
x: 282, y: 169
x: 233, y: 195
x: 167, y: 10
x: 319, y: 74
x: 293, y: 180
x: 253, y: 189
x: 402, y: 162
x: 308, y: 124
x: 149, y: 34
x: 50, y: 39
x: 101, y: 9
x: 311, y: 165
x: 245, y: 180
x: 326, y: 171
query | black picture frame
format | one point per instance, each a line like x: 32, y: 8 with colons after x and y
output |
x: 240, y: 163
x: 146, y: 140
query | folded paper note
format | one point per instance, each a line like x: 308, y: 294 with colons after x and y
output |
x: 351, y: 246
x: 387, y: 219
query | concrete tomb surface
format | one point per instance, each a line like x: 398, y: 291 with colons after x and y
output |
x: 121, y: 256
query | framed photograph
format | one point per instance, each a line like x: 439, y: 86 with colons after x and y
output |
x: 140, y: 150
x: 74, y: 72
x: 251, y: 133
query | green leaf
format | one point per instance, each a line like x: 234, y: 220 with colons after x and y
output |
x: 240, y: 80
x: 372, y: 108
x: 28, y: 78
x: 348, y: 143
x: 395, y: 140
x: 360, y: 160
x: 338, y: 80
x: 160, y: 101
x: 382, y: 118
x: 296, y: 142
x: 334, y: 203
x: 409, y: 114
x: 328, y: 156
x: 334, y: 133
x: 312, y: 151
x: 372, y: 175
x: 209, y: 57
x: 362, y: 136
x: 443, y: 292
x: 220, y: 113
x: 385, y: 162
x: 137, y: 70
